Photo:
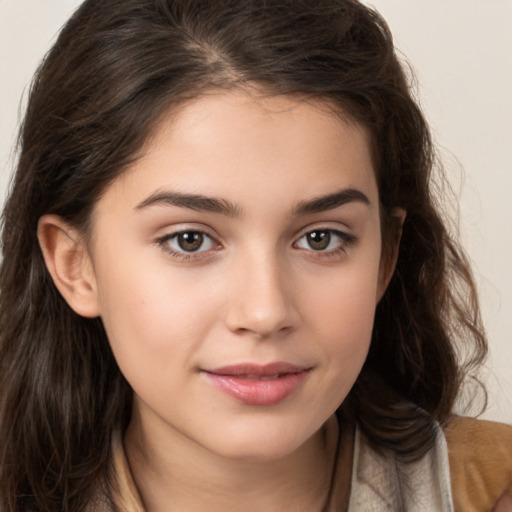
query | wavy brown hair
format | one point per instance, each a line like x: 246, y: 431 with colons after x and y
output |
x: 116, y: 68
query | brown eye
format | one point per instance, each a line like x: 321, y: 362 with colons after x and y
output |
x: 319, y: 240
x: 187, y: 242
x: 325, y: 240
x: 190, y: 241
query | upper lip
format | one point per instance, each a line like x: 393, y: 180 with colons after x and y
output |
x: 257, y: 370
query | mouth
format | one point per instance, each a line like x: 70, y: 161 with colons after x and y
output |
x: 260, y: 385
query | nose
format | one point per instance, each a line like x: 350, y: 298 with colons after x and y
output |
x: 262, y: 299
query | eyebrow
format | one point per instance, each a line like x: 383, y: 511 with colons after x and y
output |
x: 203, y: 203
x: 331, y: 201
x: 195, y: 202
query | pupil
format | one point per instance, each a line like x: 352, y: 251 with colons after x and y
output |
x: 319, y: 240
x: 190, y: 241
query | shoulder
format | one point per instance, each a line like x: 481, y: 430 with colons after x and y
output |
x: 480, y: 458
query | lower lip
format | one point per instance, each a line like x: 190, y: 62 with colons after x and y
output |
x: 258, y: 391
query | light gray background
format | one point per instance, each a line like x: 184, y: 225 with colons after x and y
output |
x: 461, y: 51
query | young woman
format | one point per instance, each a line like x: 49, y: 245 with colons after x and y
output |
x: 226, y: 284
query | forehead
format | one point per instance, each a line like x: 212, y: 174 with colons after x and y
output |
x: 231, y: 144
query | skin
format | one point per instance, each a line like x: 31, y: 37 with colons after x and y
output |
x: 255, y: 291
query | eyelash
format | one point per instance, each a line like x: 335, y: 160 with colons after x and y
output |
x: 183, y: 255
x: 345, y: 242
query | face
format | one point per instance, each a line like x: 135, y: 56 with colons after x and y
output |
x: 236, y: 267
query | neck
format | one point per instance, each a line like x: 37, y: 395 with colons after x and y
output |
x: 191, y: 478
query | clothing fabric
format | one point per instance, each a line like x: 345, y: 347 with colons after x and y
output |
x: 424, y: 485
x: 467, y: 470
x: 480, y: 456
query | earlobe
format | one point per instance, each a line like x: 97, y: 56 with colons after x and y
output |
x: 69, y: 264
x: 390, y: 255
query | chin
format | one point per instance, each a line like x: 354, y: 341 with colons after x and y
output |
x: 258, y: 454
x: 262, y: 446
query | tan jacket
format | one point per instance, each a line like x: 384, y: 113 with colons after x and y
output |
x: 480, y: 455
x: 468, y: 470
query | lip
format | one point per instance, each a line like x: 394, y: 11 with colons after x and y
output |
x: 254, y: 384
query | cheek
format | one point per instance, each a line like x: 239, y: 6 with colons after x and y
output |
x: 341, y: 315
x: 345, y: 302
x: 346, y: 351
x: 346, y: 327
x: 152, y: 317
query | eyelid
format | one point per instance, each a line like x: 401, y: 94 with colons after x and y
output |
x: 173, y: 230
x: 343, y: 230
x: 346, y: 240
x: 184, y: 255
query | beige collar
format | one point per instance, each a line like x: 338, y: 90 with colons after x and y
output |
x: 380, y: 483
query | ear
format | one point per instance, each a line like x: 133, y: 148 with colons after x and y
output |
x: 69, y: 264
x: 390, y: 253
